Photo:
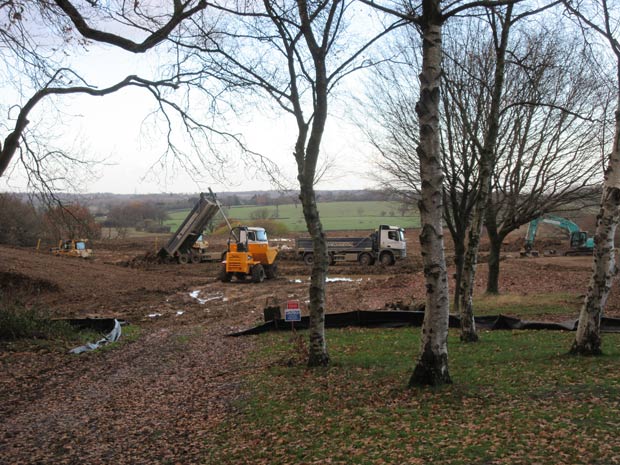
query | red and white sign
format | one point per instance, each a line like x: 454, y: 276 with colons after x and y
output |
x: 292, y: 311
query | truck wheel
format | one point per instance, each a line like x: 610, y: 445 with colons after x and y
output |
x: 309, y: 259
x: 271, y: 271
x: 365, y: 259
x: 224, y: 276
x: 258, y: 273
x: 195, y: 258
x: 387, y: 259
x: 183, y: 259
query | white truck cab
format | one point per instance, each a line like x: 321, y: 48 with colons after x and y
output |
x: 253, y: 235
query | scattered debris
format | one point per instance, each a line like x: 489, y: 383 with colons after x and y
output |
x: 180, y: 312
x: 154, y: 315
x: 217, y: 296
x: 348, y: 280
x: 329, y: 280
x: 141, y: 261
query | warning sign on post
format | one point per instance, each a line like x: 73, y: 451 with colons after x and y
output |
x: 292, y: 311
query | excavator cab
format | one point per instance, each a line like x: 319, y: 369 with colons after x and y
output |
x: 578, y: 239
x: 580, y: 244
x: 249, y: 254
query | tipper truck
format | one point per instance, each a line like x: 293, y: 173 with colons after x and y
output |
x: 249, y: 255
x: 385, y: 246
x: 182, y: 245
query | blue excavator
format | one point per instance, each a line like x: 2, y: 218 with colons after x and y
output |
x: 579, y: 242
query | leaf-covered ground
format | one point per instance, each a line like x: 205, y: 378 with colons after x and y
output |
x: 516, y: 399
x: 176, y: 390
x: 150, y: 399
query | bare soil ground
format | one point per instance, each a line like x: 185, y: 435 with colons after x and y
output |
x: 155, y: 399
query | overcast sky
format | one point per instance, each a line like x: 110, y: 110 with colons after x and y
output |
x: 112, y: 129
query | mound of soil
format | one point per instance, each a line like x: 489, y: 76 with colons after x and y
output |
x: 14, y: 282
x: 142, y: 261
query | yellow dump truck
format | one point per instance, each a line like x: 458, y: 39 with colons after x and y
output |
x: 249, y: 255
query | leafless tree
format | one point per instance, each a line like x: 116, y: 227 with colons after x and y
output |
x: 500, y: 20
x: 45, y: 76
x: 393, y: 129
x: 429, y: 17
x: 294, y: 53
x: 20, y: 223
x: 549, y: 150
x: 544, y: 75
x: 600, y: 20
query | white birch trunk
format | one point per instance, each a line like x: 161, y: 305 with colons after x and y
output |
x: 432, y: 364
x: 588, y: 337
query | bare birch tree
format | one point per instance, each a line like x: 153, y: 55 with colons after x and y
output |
x: 602, y: 19
x: 546, y: 76
x: 393, y: 130
x: 294, y: 53
x: 429, y: 16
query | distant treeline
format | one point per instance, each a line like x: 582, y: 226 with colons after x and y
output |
x: 100, y: 204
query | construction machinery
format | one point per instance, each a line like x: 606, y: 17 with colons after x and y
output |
x: 579, y: 241
x: 385, y: 245
x: 248, y: 252
x: 73, y: 248
x: 187, y: 244
x: 249, y: 255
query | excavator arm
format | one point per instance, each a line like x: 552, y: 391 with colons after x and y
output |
x: 578, y: 238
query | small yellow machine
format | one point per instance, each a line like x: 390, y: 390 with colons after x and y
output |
x: 73, y: 248
x: 249, y: 254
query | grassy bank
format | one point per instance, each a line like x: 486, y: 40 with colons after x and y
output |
x: 533, y: 306
x: 516, y: 399
x: 334, y: 215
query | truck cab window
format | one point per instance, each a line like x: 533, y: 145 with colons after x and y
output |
x: 392, y: 235
x: 261, y: 236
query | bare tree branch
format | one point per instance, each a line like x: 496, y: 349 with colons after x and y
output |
x: 11, y: 142
x: 181, y: 11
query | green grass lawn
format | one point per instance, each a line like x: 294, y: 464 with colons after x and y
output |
x: 530, y: 306
x: 334, y: 215
x: 516, y: 399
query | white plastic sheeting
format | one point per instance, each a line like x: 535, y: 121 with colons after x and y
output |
x: 202, y: 301
x: 112, y: 336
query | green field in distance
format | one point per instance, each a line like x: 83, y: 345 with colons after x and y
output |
x: 336, y: 216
